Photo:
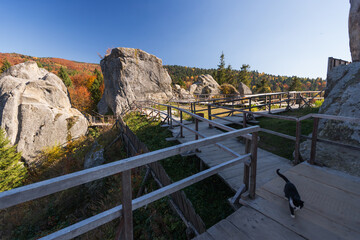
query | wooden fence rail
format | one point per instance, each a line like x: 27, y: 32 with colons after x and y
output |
x: 298, y: 120
x: 47, y: 187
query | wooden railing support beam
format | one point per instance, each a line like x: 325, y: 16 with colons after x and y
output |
x: 313, y: 141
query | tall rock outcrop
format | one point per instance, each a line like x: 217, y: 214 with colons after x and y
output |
x: 35, y: 110
x: 205, y: 84
x: 132, y: 74
x: 341, y: 99
x: 354, y: 30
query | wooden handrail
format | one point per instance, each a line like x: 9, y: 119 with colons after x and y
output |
x: 47, y: 187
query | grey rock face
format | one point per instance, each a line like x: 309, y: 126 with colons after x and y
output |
x: 341, y: 99
x: 354, y: 30
x: 35, y: 110
x: 244, y: 90
x: 205, y: 84
x: 95, y: 157
x: 182, y: 94
x: 132, y: 74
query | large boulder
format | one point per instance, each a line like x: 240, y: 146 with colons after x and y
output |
x: 354, y: 30
x: 244, y: 90
x: 205, y: 84
x: 341, y: 99
x: 130, y: 75
x: 182, y: 94
x: 35, y: 110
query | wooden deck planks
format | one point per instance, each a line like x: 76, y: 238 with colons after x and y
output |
x: 257, y: 226
x: 332, y: 202
x: 306, y: 223
x: 331, y: 209
x: 211, y: 155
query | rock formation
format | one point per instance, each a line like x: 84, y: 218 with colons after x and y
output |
x: 205, y: 84
x: 341, y: 99
x: 244, y: 90
x: 182, y: 94
x: 35, y: 110
x: 354, y: 30
x: 132, y: 74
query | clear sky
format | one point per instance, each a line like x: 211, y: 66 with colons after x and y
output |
x: 285, y: 37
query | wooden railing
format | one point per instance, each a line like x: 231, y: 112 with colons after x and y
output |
x: 334, y: 62
x: 44, y: 188
x: 298, y: 135
x: 263, y: 100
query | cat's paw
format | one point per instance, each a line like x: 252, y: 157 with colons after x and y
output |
x: 293, y: 216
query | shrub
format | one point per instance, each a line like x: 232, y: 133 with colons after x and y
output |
x: 12, y: 170
x: 228, y: 89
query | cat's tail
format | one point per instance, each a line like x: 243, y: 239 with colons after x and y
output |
x: 282, y: 176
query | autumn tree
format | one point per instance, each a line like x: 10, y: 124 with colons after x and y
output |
x: 6, y: 65
x: 63, y: 74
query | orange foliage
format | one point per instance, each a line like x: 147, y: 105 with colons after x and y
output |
x: 90, y: 81
x: 80, y: 79
x: 80, y: 98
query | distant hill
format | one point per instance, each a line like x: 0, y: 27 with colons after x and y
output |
x: 51, y: 64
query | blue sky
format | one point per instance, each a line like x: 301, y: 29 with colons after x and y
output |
x: 285, y: 37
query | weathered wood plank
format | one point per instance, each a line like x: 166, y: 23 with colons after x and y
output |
x: 307, y: 223
x: 324, y: 200
x: 257, y: 226
x: 127, y: 204
x: 204, y: 236
x: 329, y: 177
x: 226, y: 230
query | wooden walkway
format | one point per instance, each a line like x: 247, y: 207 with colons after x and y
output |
x: 211, y: 155
x: 331, y: 209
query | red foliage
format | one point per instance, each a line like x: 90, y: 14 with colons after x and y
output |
x: 80, y: 98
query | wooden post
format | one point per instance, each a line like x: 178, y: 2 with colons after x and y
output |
x: 127, y: 205
x: 313, y: 141
x: 297, y: 142
x: 171, y: 120
x: 269, y: 103
x: 244, y: 120
x: 250, y: 104
x: 280, y: 100
x: 247, y: 150
x: 209, y: 115
x: 253, y: 165
x: 168, y: 114
x: 288, y: 101
x: 181, y: 127
x: 196, y: 128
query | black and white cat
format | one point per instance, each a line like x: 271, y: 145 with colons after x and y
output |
x: 291, y: 193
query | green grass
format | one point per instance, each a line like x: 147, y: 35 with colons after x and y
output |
x: 281, y: 146
x: 209, y: 197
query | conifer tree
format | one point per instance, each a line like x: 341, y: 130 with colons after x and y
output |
x: 6, y: 65
x: 244, y: 75
x: 65, y: 77
x: 220, y: 75
x: 95, y: 91
x: 12, y: 170
x: 295, y: 84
